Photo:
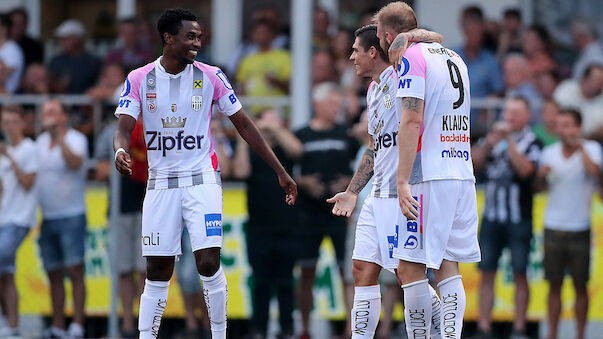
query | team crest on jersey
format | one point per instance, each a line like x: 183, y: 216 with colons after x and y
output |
x: 150, y: 83
x: 197, y: 102
x: 152, y: 102
x: 387, y: 101
x: 198, y: 83
x: 174, y: 108
x: 385, y: 88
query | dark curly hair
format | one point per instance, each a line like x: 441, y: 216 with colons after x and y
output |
x: 171, y: 19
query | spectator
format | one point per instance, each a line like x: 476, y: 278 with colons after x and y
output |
x: 585, y: 96
x: 518, y: 83
x: 546, y: 130
x: 321, y: 39
x: 323, y: 68
x: 484, y: 70
x: 538, y: 48
x: 510, y: 39
x: 349, y: 82
x: 35, y: 80
x: 546, y: 83
x: 281, y: 41
x: 11, y: 58
x: 131, y: 265
x: 324, y: 170
x: 571, y: 169
x: 266, y: 72
x: 129, y: 53
x: 18, y: 167
x: 591, y: 50
x: 32, y: 48
x: 74, y: 70
x: 60, y: 184
x: 109, y: 84
x: 508, y: 154
x: 268, y: 230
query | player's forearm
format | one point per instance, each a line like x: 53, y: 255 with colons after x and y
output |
x: 364, y: 173
x: 410, y: 130
x: 250, y: 133
x: 123, y: 133
x: 423, y: 35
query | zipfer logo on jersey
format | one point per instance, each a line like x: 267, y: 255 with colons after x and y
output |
x: 386, y: 140
x: 158, y: 142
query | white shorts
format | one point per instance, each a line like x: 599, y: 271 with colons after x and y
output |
x: 377, y: 232
x: 446, y: 227
x: 166, y: 211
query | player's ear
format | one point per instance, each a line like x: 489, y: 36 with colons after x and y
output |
x: 168, y: 38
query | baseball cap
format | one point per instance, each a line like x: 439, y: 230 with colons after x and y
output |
x: 70, y: 27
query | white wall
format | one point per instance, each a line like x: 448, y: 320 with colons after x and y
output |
x: 443, y: 16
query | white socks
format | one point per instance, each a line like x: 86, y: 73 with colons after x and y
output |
x: 454, y: 301
x: 152, y: 304
x: 436, y: 306
x: 215, y: 291
x: 417, y: 309
x: 366, y: 311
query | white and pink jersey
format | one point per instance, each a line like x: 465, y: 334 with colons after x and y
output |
x: 439, y: 76
x: 176, y: 111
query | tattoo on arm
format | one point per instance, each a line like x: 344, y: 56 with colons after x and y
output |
x: 399, y: 42
x: 364, y: 173
x: 412, y: 104
x: 422, y: 35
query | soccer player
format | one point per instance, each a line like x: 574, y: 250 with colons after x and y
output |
x: 175, y: 95
x: 376, y: 232
x: 435, y: 182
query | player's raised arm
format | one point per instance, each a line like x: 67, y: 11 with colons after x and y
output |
x: 400, y: 43
x: 250, y: 133
x: 345, y: 202
x: 121, y: 143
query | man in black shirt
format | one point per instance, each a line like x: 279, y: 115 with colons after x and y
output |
x: 270, y: 222
x: 32, y: 49
x: 324, y: 169
x: 509, y: 155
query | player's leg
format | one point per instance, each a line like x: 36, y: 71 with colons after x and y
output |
x: 202, y: 214
x: 161, y: 235
x: 555, y: 261
x: 453, y: 299
x: 366, y: 266
x: 579, y: 247
x: 519, y: 244
x: 190, y: 285
x: 391, y: 295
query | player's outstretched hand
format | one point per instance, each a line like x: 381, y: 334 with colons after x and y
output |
x: 345, y: 202
x: 408, y: 204
x: 289, y: 186
x: 123, y: 163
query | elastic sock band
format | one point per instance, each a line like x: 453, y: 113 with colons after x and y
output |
x: 447, y: 280
x: 415, y: 283
x: 367, y: 292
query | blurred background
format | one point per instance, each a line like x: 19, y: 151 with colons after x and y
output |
x: 289, y: 64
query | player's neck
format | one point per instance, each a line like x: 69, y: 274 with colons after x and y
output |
x: 377, y: 73
x: 171, y: 65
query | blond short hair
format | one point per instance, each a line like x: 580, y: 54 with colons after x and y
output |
x: 397, y: 16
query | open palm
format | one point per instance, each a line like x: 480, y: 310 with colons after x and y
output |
x: 345, y: 203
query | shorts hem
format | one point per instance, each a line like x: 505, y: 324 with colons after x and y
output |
x: 419, y: 261
x: 203, y: 247
x: 367, y: 260
x: 161, y: 254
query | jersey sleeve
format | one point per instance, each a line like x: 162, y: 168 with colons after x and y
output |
x: 29, y: 164
x: 224, y: 96
x: 594, y: 151
x: 129, y: 100
x: 412, y: 73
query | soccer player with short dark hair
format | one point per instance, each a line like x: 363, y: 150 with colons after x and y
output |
x: 174, y: 96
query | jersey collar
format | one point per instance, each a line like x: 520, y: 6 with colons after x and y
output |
x: 385, y: 74
x: 169, y: 75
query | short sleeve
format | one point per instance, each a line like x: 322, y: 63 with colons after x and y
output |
x: 224, y: 96
x: 129, y: 100
x: 78, y: 144
x: 546, y: 156
x: 534, y: 152
x: 29, y: 163
x: 411, y: 74
x: 593, y: 149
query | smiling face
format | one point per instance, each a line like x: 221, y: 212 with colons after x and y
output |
x: 187, y: 43
x: 362, y: 59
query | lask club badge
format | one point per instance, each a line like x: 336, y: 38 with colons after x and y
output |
x: 197, y: 102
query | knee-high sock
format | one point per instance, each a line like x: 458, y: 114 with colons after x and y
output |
x: 366, y: 311
x: 453, y: 306
x: 215, y: 291
x: 152, y: 304
x: 417, y: 309
x: 436, y: 306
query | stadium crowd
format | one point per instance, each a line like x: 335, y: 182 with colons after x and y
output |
x: 547, y: 135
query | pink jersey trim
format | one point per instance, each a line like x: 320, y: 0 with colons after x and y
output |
x: 367, y: 93
x: 212, y: 73
x: 417, y: 65
x: 136, y: 77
